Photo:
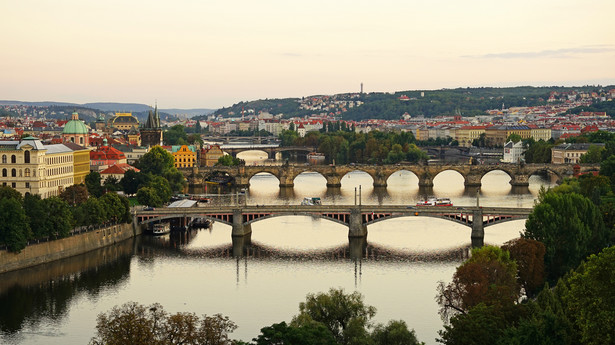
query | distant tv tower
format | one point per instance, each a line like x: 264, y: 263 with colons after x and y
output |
x: 361, y: 87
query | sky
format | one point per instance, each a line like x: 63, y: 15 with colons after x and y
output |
x: 211, y: 54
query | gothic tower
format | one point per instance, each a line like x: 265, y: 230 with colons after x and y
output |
x: 151, y: 132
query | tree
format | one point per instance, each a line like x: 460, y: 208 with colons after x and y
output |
x: 394, y: 333
x: 7, y: 192
x: 111, y: 184
x: 571, y: 228
x: 114, y: 208
x: 75, y: 194
x: 176, y: 135
x: 58, y: 218
x: 514, y: 137
x: 35, y: 211
x: 344, y: 315
x: 156, y: 161
x: 132, y: 180
x: 14, y: 228
x: 529, y: 256
x: 591, y: 298
x: 488, y: 277
x: 228, y: 160
x: 93, y: 184
x: 311, y: 333
x: 176, y: 179
x: 136, y: 324
x: 593, y: 154
x: 148, y: 196
x: 91, y: 212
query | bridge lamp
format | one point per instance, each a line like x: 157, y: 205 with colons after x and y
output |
x: 416, y: 213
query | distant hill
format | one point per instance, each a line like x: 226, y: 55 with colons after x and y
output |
x: 114, y: 107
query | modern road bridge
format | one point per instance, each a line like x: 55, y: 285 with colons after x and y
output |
x: 472, y: 174
x: 357, y: 218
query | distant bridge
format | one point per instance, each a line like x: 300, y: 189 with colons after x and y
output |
x: 472, y: 174
x: 270, y: 149
x: 356, y: 217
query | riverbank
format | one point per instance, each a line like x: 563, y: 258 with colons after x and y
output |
x: 45, y: 252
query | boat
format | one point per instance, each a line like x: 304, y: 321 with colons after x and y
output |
x: 311, y: 201
x: 435, y: 202
x: 161, y: 229
x: 201, y: 223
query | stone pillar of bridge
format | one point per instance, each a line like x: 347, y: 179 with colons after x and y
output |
x: 472, y: 180
x: 355, y: 224
x: 287, y: 176
x: 520, y: 180
x: 241, y: 245
x: 271, y: 154
x: 380, y: 179
x: 241, y: 179
x: 357, y: 247
x: 333, y: 180
x: 478, y: 230
x: 425, y: 181
x: 239, y: 228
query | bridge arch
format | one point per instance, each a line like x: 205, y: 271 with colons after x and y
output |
x: 401, y: 171
x: 309, y: 172
x: 339, y: 220
x: 263, y: 153
x: 459, y: 220
x: 264, y: 170
x: 156, y: 219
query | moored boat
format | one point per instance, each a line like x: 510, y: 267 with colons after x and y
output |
x: 435, y: 202
x: 161, y: 229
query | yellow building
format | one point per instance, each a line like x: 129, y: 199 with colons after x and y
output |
x: 81, y: 162
x: 541, y: 134
x: 467, y: 134
x: 185, y: 156
x: 210, y: 155
x: 123, y: 122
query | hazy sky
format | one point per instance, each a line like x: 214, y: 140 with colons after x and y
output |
x: 200, y: 53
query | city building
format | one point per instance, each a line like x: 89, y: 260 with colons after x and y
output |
x: 513, y: 152
x: 151, y: 132
x: 184, y: 156
x: 570, y: 153
x: 75, y: 131
x: 210, y: 155
x: 81, y: 162
x: 33, y: 168
x: 116, y: 171
x: 123, y: 122
x: 105, y: 156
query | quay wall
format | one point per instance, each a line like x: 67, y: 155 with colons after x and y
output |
x: 40, y: 253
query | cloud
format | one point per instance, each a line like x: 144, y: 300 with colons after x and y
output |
x: 557, y: 53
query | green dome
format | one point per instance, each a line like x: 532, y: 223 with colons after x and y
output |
x: 75, y: 127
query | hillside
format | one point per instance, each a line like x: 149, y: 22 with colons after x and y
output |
x: 378, y: 105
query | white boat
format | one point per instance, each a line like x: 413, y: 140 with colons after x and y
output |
x: 161, y: 229
x: 311, y: 201
x: 435, y: 202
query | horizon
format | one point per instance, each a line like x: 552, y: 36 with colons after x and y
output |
x: 188, y: 54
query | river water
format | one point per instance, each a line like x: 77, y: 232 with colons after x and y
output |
x: 289, y: 257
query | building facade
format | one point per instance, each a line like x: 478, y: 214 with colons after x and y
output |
x: 569, y: 153
x: 210, y: 155
x: 184, y: 156
x: 151, y: 132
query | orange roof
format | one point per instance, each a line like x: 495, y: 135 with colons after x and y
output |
x: 118, y: 169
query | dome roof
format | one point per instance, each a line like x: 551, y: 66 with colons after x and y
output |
x: 75, y: 127
x: 125, y: 119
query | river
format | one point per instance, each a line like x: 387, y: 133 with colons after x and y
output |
x: 292, y: 256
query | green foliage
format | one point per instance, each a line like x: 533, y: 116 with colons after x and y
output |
x: 176, y: 135
x: 570, y: 226
x: 111, y: 184
x: 136, y: 324
x: 156, y: 161
x: 93, y: 184
x: 91, y: 212
x: 228, y: 160
x: 488, y: 277
x: 529, y: 256
x: 344, y: 315
x: 132, y: 180
x: 591, y: 298
x: 538, y: 151
x: 148, y: 196
x: 177, y: 183
x: 75, y: 194
x: 514, y: 137
x: 310, y: 333
x: 607, y: 106
x: 58, y: 218
x: 394, y: 333
x: 36, y: 213
x: 114, y: 208
x: 593, y: 154
x: 14, y: 228
x: 7, y: 192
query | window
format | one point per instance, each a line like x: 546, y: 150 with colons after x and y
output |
x: 4, y: 159
x: 27, y: 184
x: 14, y: 185
x: 26, y: 157
x: 13, y: 173
x: 4, y: 173
x: 27, y: 172
x: 13, y: 159
x: 81, y: 140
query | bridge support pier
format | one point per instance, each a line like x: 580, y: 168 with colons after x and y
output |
x: 356, y: 226
x: 380, y: 181
x: 241, y: 244
x: 478, y: 230
x: 472, y: 181
x: 520, y: 180
x: 425, y: 181
x: 239, y: 228
x: 356, y: 247
x: 333, y: 181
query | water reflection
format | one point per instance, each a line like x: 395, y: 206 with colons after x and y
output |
x: 43, y: 294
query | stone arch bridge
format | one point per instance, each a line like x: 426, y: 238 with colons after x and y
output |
x: 271, y: 150
x: 357, y: 218
x: 472, y: 174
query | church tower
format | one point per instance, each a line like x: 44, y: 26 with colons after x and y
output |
x: 151, y: 132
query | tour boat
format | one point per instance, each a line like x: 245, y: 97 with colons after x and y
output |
x: 435, y: 202
x: 161, y: 229
x: 311, y: 201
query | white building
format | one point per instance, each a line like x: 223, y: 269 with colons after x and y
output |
x: 513, y: 152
